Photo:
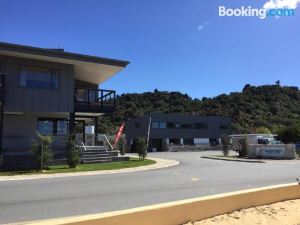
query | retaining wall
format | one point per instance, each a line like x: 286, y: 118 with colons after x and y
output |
x: 180, y: 212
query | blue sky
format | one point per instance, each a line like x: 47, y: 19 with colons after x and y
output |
x: 173, y: 45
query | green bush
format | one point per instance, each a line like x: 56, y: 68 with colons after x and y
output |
x: 244, y: 148
x: 225, y: 144
x: 73, y: 153
x: 121, y: 146
x: 41, y: 151
x: 141, y: 148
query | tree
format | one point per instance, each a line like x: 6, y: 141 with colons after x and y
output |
x: 41, y: 151
x: 73, y: 153
x: 225, y: 144
x: 277, y: 82
x: 262, y: 130
x: 289, y: 134
x: 246, y: 87
x: 256, y: 106
x: 141, y: 148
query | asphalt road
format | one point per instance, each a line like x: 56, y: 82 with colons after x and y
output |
x: 58, y: 197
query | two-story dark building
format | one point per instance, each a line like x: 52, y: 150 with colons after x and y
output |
x: 49, y: 91
x: 177, y: 129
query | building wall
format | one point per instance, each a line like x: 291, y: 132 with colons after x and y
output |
x: 139, y: 127
x: 19, y: 130
x: 20, y: 99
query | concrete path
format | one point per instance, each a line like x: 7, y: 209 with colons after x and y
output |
x: 160, y: 163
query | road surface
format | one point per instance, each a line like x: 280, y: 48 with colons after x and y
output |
x: 193, y: 177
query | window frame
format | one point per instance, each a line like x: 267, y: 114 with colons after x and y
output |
x: 205, y: 127
x: 55, y: 125
x: 186, y: 126
x: 51, y: 69
x: 159, y: 125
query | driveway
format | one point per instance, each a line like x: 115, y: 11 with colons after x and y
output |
x: 193, y: 177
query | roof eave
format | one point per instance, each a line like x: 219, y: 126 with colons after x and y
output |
x: 61, y: 54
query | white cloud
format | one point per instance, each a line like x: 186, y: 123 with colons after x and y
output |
x: 202, y: 25
x: 275, y: 4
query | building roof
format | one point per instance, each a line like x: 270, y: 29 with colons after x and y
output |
x: 88, y: 68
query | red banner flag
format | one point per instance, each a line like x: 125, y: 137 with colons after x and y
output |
x: 119, y: 133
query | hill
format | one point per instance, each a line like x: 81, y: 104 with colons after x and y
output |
x: 272, y: 106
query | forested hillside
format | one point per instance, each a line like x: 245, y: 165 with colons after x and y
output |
x: 272, y: 106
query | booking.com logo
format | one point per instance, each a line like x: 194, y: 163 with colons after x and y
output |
x: 254, y: 12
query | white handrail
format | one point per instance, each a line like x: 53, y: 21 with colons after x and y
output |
x: 83, y: 146
x: 106, y: 139
x: 83, y: 151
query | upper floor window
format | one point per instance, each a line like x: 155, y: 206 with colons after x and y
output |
x: 172, y: 125
x: 186, y: 125
x: 201, y: 126
x: 159, y: 125
x: 39, y: 77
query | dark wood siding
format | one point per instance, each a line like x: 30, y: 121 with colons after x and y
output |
x: 213, y: 130
x: 20, y: 99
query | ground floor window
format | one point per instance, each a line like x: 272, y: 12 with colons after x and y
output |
x: 213, y: 141
x: 188, y: 141
x: 156, y: 145
x: 55, y: 127
x: 174, y: 141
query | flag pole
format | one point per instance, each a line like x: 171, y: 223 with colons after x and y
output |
x: 148, y: 135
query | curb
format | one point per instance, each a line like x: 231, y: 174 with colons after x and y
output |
x: 232, y: 160
x: 179, y: 212
x: 160, y: 164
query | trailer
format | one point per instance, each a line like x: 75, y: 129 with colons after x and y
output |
x: 263, y: 146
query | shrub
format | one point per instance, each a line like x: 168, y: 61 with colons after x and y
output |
x: 73, y: 153
x: 41, y: 151
x: 141, y: 148
x: 121, y: 146
x: 225, y: 144
x: 244, y: 148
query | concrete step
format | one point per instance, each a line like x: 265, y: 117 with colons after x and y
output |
x: 96, y: 156
x: 95, y: 148
x: 95, y: 151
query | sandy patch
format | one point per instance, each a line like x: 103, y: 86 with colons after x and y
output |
x: 287, y: 213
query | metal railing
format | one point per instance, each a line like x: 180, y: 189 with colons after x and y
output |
x: 94, y: 100
x: 107, y: 141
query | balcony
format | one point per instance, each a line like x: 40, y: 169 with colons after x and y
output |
x: 2, y: 87
x: 94, y: 100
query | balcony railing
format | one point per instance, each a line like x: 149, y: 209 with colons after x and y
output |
x: 94, y: 100
x: 2, y: 88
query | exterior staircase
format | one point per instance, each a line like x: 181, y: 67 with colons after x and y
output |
x: 95, y: 154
